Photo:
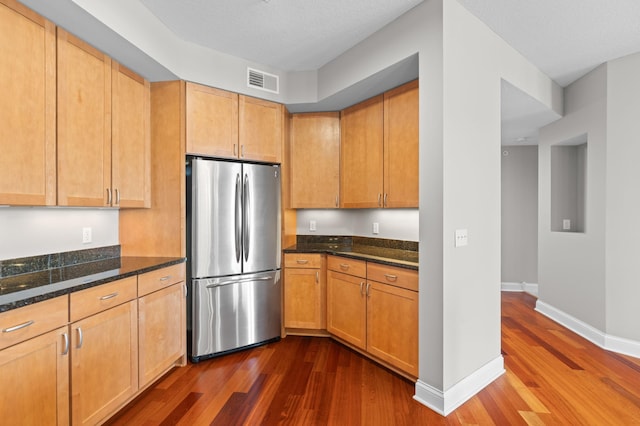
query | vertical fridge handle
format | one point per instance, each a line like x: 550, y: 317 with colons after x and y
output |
x: 245, y: 217
x: 238, y: 219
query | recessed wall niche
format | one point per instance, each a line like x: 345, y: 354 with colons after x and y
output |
x: 569, y: 184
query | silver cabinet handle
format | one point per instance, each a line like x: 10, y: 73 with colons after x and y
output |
x: 337, y: 203
x: 242, y: 150
x: 234, y: 150
x: 66, y: 344
x: 117, y: 196
x: 385, y: 199
x: 184, y: 289
x: 108, y: 196
x: 344, y: 266
x: 80, y: 338
x: 18, y: 327
x: 368, y: 287
x: 317, y: 277
x: 379, y: 199
x: 165, y: 278
x: 390, y: 277
x: 109, y: 296
x: 302, y: 261
x: 361, y: 284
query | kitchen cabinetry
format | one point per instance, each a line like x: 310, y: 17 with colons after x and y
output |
x: 346, y: 302
x: 304, y: 291
x: 104, y: 349
x: 375, y: 308
x: 315, y: 164
x: 27, y: 107
x: 162, y: 318
x: 34, y: 364
x: 379, y: 150
x: 228, y: 125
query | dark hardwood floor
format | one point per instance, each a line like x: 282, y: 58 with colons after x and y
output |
x: 554, y: 377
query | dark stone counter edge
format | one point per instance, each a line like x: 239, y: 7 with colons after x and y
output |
x: 348, y: 252
x: 131, y: 266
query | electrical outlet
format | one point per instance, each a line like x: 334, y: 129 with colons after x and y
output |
x: 566, y: 224
x: 312, y: 225
x: 462, y: 238
x: 376, y: 228
x: 86, y: 235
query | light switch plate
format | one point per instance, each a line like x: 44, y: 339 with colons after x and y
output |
x: 462, y: 238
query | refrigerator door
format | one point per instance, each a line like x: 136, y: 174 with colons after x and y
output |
x: 261, y: 218
x: 216, y: 218
x: 234, y: 312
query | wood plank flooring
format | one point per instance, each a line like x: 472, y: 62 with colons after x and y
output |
x: 554, y: 377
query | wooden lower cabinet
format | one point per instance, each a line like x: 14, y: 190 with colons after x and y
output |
x: 104, y: 363
x: 305, y: 292
x: 35, y: 380
x: 347, y: 308
x: 161, y: 335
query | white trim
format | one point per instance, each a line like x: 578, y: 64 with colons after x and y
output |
x: 531, y: 288
x: 592, y: 334
x: 444, y: 403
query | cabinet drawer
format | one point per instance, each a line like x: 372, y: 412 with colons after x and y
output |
x: 345, y: 265
x: 96, y: 299
x: 399, y: 277
x: 24, y: 323
x: 160, y: 278
x: 302, y: 260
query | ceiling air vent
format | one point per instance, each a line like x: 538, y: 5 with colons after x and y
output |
x: 262, y: 80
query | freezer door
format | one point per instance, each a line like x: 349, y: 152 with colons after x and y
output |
x: 233, y: 312
x: 216, y: 218
x: 261, y: 218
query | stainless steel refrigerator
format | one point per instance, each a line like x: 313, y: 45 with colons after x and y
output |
x: 233, y: 252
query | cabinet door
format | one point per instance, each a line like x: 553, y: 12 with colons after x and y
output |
x: 84, y: 123
x: 27, y: 107
x: 304, y: 299
x: 162, y: 325
x: 212, y: 121
x: 104, y: 363
x: 130, y: 139
x: 346, y: 308
x: 35, y: 381
x: 315, y: 160
x: 361, y: 155
x: 401, y: 146
x: 260, y: 130
x: 392, y: 325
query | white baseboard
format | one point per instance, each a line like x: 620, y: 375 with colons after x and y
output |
x: 531, y: 288
x: 592, y: 334
x: 444, y: 403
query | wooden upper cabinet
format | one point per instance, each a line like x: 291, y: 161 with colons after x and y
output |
x: 84, y: 124
x: 260, y: 129
x: 361, y: 154
x: 315, y: 160
x: 130, y: 139
x: 27, y: 107
x: 401, y: 146
x: 212, y: 121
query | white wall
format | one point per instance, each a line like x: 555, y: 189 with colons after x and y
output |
x: 519, y: 214
x: 34, y: 231
x: 396, y: 224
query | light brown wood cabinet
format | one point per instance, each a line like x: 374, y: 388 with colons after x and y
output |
x: 161, y: 322
x: 315, y: 160
x: 228, y: 125
x: 379, y: 151
x: 375, y: 310
x: 304, y: 291
x: 34, y: 364
x: 104, y: 349
x: 27, y: 107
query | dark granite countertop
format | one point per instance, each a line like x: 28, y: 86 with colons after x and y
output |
x: 28, y: 288
x: 387, y: 252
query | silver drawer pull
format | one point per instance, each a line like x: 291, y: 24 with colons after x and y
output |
x: 18, y: 327
x: 391, y: 277
x: 80, y: 338
x: 165, y: 278
x: 66, y: 344
x: 109, y: 296
x: 317, y: 277
x: 344, y: 266
x: 302, y: 261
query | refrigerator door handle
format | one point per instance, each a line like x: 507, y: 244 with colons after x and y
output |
x: 238, y: 219
x: 246, y: 228
x: 245, y: 280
